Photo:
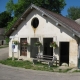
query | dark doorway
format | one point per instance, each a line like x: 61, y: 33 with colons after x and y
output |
x: 23, y: 48
x: 47, y: 50
x: 64, y: 53
x: 2, y: 42
x: 33, y: 49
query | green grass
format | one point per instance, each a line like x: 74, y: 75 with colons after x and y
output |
x: 76, y: 71
x: 29, y: 65
x: 16, y: 63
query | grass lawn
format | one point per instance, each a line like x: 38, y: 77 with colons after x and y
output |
x: 30, y: 65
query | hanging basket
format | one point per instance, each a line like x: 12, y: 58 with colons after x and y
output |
x: 53, y: 44
x: 15, y: 42
x: 37, y: 44
x: 26, y: 44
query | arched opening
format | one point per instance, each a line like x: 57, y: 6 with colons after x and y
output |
x: 2, y: 42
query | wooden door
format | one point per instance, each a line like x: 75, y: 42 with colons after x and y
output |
x: 23, y: 48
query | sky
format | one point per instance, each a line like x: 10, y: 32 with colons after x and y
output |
x: 3, y: 4
x: 69, y: 3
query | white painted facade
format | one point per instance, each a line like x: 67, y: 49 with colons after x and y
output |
x: 47, y: 28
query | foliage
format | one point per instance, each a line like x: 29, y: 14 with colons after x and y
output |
x: 74, y: 13
x: 15, y: 42
x: 5, y: 17
x: 10, y: 24
x: 29, y: 65
x: 26, y: 44
x: 77, y: 70
x: 16, y: 63
x: 53, y: 44
x: 9, y: 6
x: 38, y: 43
x: 22, y: 5
x: 7, y: 40
x: 53, y: 5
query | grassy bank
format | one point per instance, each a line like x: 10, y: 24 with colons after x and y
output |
x: 30, y: 65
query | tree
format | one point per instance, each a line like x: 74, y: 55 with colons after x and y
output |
x: 22, y: 5
x: 53, y: 5
x: 5, y: 17
x: 9, y: 6
x: 74, y: 13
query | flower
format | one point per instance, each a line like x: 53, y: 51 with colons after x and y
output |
x: 38, y: 43
x: 53, y: 44
x: 26, y: 44
x: 15, y: 42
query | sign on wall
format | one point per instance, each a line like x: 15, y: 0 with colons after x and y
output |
x: 14, y: 48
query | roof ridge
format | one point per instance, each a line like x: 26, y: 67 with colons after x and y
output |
x: 58, y: 17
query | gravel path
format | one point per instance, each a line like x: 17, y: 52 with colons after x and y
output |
x: 4, y: 53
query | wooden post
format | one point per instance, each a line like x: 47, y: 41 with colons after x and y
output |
x: 12, y: 52
x: 18, y: 49
x: 12, y: 49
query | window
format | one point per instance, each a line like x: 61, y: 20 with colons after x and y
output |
x: 35, y: 22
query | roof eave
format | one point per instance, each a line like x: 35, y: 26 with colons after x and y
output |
x: 19, y: 20
x: 57, y: 20
x: 48, y: 15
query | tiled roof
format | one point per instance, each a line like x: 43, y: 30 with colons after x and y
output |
x: 64, y: 20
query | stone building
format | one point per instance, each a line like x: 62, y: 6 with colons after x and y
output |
x: 38, y: 24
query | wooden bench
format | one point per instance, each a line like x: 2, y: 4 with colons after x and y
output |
x: 45, y: 58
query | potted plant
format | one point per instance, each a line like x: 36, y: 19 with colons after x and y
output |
x: 26, y: 44
x: 38, y: 43
x: 53, y: 44
x: 16, y: 42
